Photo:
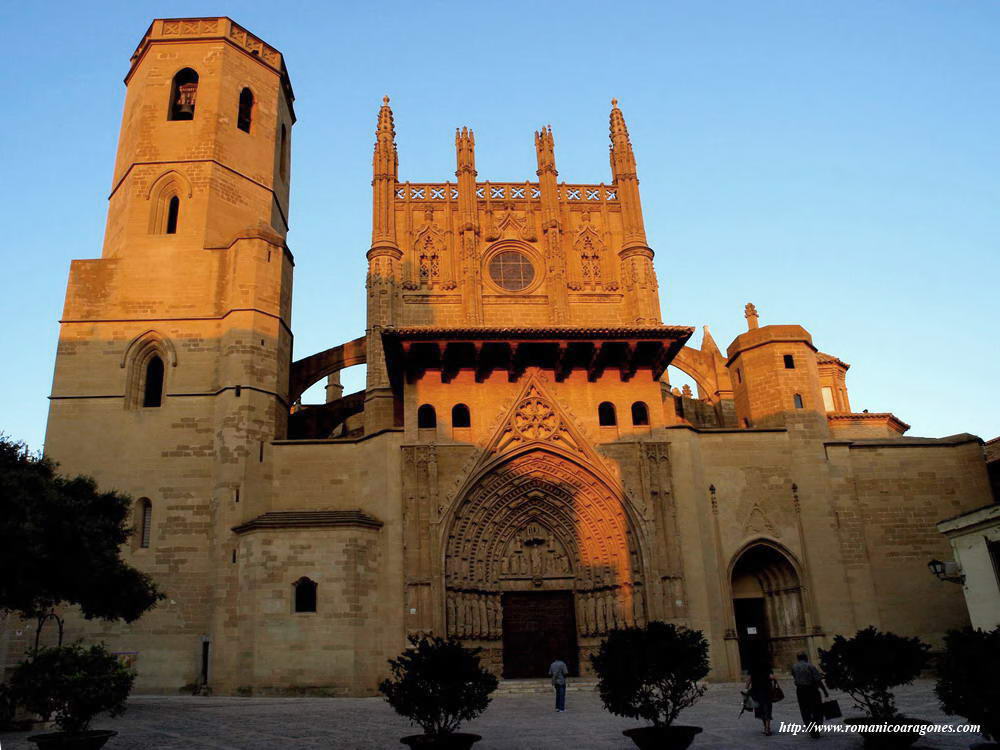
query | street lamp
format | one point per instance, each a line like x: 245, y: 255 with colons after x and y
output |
x: 946, y: 571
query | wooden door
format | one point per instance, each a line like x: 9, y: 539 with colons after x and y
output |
x: 538, y: 628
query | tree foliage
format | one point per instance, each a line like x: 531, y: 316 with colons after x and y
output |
x: 969, y: 678
x: 59, y: 543
x: 72, y: 684
x: 651, y: 672
x: 870, y: 664
x: 438, y: 684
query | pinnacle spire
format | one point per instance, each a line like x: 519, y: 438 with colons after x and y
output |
x: 545, y: 150
x: 465, y: 150
x: 618, y: 127
x: 386, y: 126
x: 708, y: 342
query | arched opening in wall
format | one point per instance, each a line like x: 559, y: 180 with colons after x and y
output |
x: 767, y: 605
x: 152, y: 392
x: 640, y: 414
x: 426, y: 417
x: 681, y: 384
x: 244, y: 115
x: 460, y: 416
x: 332, y: 407
x: 305, y: 595
x: 183, y: 95
x: 542, y: 560
x: 797, y: 400
x: 173, y: 213
x: 144, y: 521
x: 606, y: 416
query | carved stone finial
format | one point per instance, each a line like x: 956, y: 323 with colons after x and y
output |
x: 750, y: 313
x: 614, y: 102
x: 385, y: 99
x: 686, y: 391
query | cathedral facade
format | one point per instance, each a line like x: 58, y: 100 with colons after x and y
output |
x: 517, y: 472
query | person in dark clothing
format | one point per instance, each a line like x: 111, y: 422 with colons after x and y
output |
x: 558, y: 671
x: 760, y: 681
x: 808, y: 683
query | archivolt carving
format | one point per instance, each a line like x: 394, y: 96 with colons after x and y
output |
x: 537, y: 518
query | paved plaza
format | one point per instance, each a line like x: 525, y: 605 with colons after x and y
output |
x: 512, y: 722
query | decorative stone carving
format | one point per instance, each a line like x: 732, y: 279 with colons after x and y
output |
x: 758, y: 523
x: 431, y: 266
x: 536, y: 418
x: 591, y: 250
x: 510, y: 225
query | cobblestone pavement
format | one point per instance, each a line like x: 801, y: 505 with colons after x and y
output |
x: 514, y: 722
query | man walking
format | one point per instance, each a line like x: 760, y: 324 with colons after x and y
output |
x: 808, y: 683
x: 558, y: 671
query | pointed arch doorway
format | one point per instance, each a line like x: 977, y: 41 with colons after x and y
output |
x: 541, y: 560
x: 767, y: 605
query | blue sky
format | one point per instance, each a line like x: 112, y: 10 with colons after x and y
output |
x: 836, y: 163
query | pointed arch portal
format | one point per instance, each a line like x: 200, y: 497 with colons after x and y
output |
x: 541, y: 558
x: 768, y: 604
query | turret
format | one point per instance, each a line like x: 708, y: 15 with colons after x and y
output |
x: 774, y: 375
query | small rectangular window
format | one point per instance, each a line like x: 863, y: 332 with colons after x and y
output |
x: 789, y: 362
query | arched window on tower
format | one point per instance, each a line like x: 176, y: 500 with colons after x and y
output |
x: 305, y: 595
x: 426, y: 417
x: 173, y: 213
x: 640, y: 414
x: 152, y: 393
x: 183, y: 95
x: 245, y: 115
x: 145, y: 521
x: 606, y: 414
x: 460, y: 416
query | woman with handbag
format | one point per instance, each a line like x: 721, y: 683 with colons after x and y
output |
x: 761, y: 683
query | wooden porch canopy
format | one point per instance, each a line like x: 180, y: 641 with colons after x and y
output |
x: 410, y: 352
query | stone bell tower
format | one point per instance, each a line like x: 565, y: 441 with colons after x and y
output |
x: 171, y: 377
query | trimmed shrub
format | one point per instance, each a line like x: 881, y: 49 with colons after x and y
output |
x: 438, y: 684
x: 72, y: 684
x: 651, y: 672
x: 869, y: 665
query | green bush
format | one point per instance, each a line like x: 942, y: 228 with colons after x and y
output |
x: 969, y: 681
x: 869, y: 665
x: 438, y: 684
x: 652, y: 672
x: 72, y: 684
